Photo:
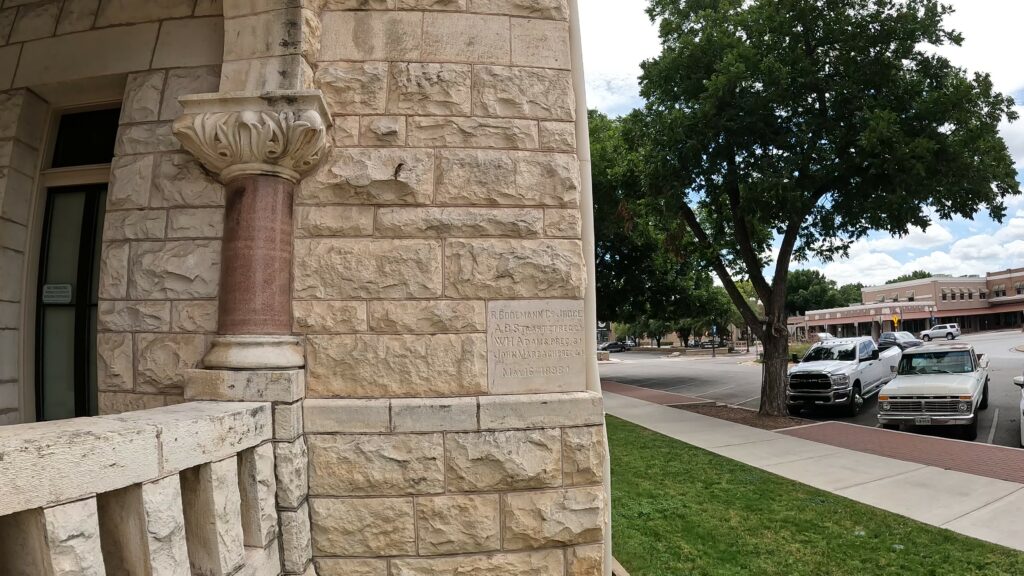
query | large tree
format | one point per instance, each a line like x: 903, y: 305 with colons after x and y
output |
x: 797, y: 126
x: 915, y: 275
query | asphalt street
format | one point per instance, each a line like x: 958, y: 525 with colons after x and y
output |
x: 736, y: 380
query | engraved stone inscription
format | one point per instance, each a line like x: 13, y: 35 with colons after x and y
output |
x: 535, y: 346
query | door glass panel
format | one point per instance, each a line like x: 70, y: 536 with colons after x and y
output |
x: 65, y: 234
x: 59, y: 362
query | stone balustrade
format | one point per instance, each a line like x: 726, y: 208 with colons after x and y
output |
x: 173, y: 491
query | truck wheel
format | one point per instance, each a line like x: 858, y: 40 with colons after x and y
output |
x: 926, y: 338
x: 950, y: 336
x: 856, y: 401
x: 890, y: 426
x: 984, y: 397
x: 971, y: 430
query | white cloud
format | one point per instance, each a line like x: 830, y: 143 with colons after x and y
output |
x: 617, y: 37
x: 934, y: 236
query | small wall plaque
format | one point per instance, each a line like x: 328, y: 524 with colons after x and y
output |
x: 57, y: 293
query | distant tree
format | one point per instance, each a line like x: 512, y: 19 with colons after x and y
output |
x: 915, y: 275
x: 802, y: 125
x: 850, y: 293
x: 810, y: 290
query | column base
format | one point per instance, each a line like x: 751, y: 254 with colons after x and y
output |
x: 255, y: 353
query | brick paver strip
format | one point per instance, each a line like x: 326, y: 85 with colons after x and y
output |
x: 999, y: 462
x: 652, y: 396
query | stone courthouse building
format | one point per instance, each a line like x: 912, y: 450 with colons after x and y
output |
x: 297, y: 287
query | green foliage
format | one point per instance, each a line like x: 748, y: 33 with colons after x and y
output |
x: 915, y: 275
x: 811, y: 290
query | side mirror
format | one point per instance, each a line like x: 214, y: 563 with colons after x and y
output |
x: 892, y: 369
x: 1019, y: 381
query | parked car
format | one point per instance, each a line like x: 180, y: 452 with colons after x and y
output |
x: 947, y: 331
x: 1019, y: 382
x: 840, y: 372
x: 902, y: 339
x: 613, y: 347
x: 937, y: 385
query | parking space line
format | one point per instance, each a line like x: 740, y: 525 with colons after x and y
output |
x: 747, y: 400
x: 715, y: 390
x: 995, y: 422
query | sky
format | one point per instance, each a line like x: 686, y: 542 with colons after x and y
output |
x: 618, y: 36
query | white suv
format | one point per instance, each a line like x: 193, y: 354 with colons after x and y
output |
x: 947, y: 331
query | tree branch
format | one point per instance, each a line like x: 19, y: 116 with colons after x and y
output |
x: 743, y: 242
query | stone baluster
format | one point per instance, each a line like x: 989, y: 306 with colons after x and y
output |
x: 213, y: 522
x: 73, y: 539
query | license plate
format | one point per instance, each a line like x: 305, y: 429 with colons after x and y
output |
x: 923, y: 420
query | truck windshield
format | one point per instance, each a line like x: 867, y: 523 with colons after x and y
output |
x: 953, y: 362
x: 844, y: 352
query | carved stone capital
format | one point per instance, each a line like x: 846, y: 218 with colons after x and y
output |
x: 281, y: 134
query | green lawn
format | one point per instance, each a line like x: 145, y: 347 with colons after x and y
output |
x: 681, y: 511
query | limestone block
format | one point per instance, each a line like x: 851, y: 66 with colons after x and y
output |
x: 328, y: 317
x: 554, y: 518
x: 195, y: 223
x: 17, y: 191
x: 458, y: 524
x: 503, y: 460
x: 431, y: 4
x: 396, y: 366
x: 523, y: 92
x: 209, y: 8
x: 353, y: 87
x: 182, y: 269
x: 114, y: 12
x: 585, y: 561
x: 134, y: 224
x: 458, y: 222
x: 558, y: 136
x: 191, y: 42
x: 10, y: 315
x: 82, y: 455
x: 363, y: 527
x: 257, y: 489
x: 131, y: 178
x: 7, y: 16
x: 9, y: 355
x: 184, y: 81
x: 213, y: 517
x: 23, y: 549
x: 94, y: 53
x: 583, y: 455
x: 433, y: 414
x: 372, y: 176
x: 470, y: 38
x: 291, y: 462
x: 35, y: 21
x: 345, y: 567
x: 424, y: 88
x: 478, y: 177
x: 345, y: 130
x: 245, y: 385
x: 13, y: 236
x: 461, y: 132
x: 235, y: 8
x: 345, y: 415
x: 180, y: 181
x: 77, y: 16
x: 333, y: 221
x: 145, y: 139
x: 376, y: 465
x: 11, y: 267
x: 514, y: 269
x: 540, y: 563
x: 18, y: 155
x: 111, y: 403
x: 114, y: 361
x: 426, y: 316
x: 142, y: 97
x: 540, y: 43
x: 296, y: 541
x: 551, y: 9
x: 73, y: 539
x: 371, y: 36
x: 196, y: 316
x: 287, y: 421
x: 290, y: 72
x: 360, y: 5
x: 563, y: 223
x: 382, y: 131
x: 539, y: 410
x: 362, y: 268
x: 121, y: 316
x: 113, y: 270
x: 165, y: 527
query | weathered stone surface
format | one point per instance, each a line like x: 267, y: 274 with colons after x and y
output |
x: 142, y: 97
x: 18, y: 192
x: 12, y: 265
x: 73, y: 539
x: 130, y: 180
x: 359, y: 5
x: 540, y: 43
x: 165, y: 527
x: 288, y: 72
x: 181, y: 269
x: 423, y: 88
x: 183, y: 81
x: 540, y: 563
x: 583, y: 453
x: 431, y: 4
x: 471, y: 38
x: 114, y: 12
x: 114, y: 361
x: 372, y: 176
x: 345, y: 130
x: 163, y: 358
x: 458, y: 222
x: 145, y: 139
x: 257, y: 488
x: 499, y: 412
x: 209, y: 8
x: 353, y: 87
x: 585, y: 561
x: 290, y: 460
x: 552, y: 9
x: 478, y: 177
x: 199, y: 316
x: 503, y: 460
x: 461, y: 132
x: 296, y: 540
x: 329, y: 317
x: 563, y: 223
x: 195, y: 223
x: 6, y: 23
x: 558, y: 136
x: 555, y: 176
x: 213, y: 521
x: 113, y: 270
x: 245, y: 385
x: 396, y: 366
x: 120, y: 316
x: 134, y: 224
x: 458, y: 524
x: 534, y: 346
x: 260, y: 34
x: 35, y: 21
x: 554, y: 518
x: 371, y: 36
x: 514, y: 269
x: 523, y: 92
x: 287, y: 421
x: 180, y: 181
x: 77, y: 16
x: 376, y: 465
x: 363, y: 527
x: 426, y: 316
x: 358, y: 268
x: 433, y: 414
x: 111, y: 403
x: 344, y: 567
x: 346, y: 415
x: 192, y: 42
x: 333, y: 221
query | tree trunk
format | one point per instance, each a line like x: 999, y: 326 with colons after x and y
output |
x: 773, y: 376
x: 657, y: 342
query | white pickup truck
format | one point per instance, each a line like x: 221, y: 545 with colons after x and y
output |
x: 937, y: 385
x: 840, y: 372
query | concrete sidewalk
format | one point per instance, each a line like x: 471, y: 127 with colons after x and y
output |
x: 976, y: 506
